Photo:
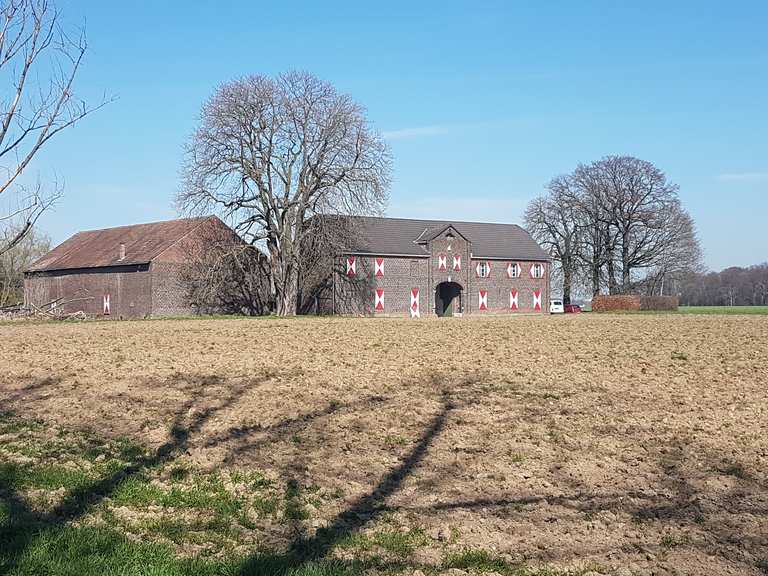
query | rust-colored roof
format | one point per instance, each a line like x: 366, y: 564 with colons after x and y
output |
x: 100, y: 248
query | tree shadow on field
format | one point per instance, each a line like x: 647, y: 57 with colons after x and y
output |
x: 305, y: 552
x: 731, y: 524
x: 25, y: 525
x: 35, y: 389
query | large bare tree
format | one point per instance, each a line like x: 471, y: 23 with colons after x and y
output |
x: 552, y: 221
x: 272, y: 153
x: 39, y: 61
x: 637, y: 199
x: 632, y: 232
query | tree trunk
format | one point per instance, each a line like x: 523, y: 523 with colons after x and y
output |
x: 625, y: 287
x: 567, y: 280
x: 595, y: 276
x: 286, y: 301
x: 613, y: 287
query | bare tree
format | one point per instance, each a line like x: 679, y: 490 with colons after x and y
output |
x: 223, y: 274
x: 636, y: 198
x: 39, y: 61
x: 551, y: 221
x: 622, y: 222
x: 227, y: 278
x: 271, y: 153
x: 679, y: 256
x: 733, y: 286
x: 13, y: 262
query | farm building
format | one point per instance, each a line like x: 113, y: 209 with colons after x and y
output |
x: 125, y: 272
x: 416, y: 267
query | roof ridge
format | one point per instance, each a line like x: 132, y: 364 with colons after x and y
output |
x: 434, y: 220
x: 156, y: 222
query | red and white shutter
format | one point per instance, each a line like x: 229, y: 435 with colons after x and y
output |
x: 379, y: 267
x: 442, y: 262
x: 513, y: 299
x: 483, y: 300
x: 487, y: 269
x: 415, y: 303
x: 351, y: 266
x: 457, y: 262
x: 378, y: 300
x: 107, y: 305
x: 533, y: 270
x: 477, y: 270
x: 537, y: 299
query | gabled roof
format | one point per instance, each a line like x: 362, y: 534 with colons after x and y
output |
x: 407, y: 237
x: 101, y: 248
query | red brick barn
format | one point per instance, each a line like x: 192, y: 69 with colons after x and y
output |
x: 125, y: 272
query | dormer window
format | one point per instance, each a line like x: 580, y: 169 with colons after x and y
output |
x: 122, y: 252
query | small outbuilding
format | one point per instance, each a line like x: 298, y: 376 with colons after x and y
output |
x: 125, y: 272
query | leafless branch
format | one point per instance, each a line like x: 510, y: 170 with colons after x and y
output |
x: 271, y: 153
x: 39, y: 62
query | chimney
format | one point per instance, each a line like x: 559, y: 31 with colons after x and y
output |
x: 122, y: 251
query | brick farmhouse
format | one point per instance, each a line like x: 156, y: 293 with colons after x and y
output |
x: 405, y: 267
x: 125, y: 272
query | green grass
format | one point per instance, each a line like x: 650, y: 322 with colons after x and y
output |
x: 96, y: 551
x: 397, y: 543
x: 723, y: 309
x: 73, y: 504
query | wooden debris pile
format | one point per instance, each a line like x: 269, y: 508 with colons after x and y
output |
x: 55, y: 310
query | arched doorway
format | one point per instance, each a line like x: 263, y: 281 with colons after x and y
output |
x: 447, y: 299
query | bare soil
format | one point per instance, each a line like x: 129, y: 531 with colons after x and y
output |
x: 628, y: 444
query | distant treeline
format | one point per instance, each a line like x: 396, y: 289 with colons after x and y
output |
x: 731, y: 287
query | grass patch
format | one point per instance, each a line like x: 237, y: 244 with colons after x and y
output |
x: 96, y: 551
x: 723, y: 309
x: 294, y: 508
x: 400, y: 544
x: 205, y: 494
x: 21, y: 476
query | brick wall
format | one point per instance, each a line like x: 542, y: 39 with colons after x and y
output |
x: 169, y: 294
x: 442, y: 245
x: 498, y: 286
x: 129, y: 290
x: 356, y: 295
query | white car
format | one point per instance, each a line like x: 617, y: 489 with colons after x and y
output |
x: 556, y: 307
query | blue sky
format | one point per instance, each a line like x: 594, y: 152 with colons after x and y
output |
x: 482, y: 102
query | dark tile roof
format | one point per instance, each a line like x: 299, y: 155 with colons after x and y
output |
x: 100, y: 248
x: 399, y: 236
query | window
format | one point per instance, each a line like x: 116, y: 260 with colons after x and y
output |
x: 483, y: 270
x: 537, y: 271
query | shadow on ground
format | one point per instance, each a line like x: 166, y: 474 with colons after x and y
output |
x: 25, y: 525
x: 679, y: 501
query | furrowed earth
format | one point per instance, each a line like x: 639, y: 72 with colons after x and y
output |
x: 581, y: 444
